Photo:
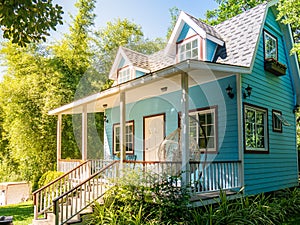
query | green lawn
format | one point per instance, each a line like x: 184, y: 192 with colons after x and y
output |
x: 22, y: 213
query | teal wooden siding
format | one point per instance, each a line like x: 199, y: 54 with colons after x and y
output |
x: 211, y: 49
x: 209, y: 94
x: 139, y: 73
x: 122, y: 63
x: 278, y: 169
x: 183, y: 32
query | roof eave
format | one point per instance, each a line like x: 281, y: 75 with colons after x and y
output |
x: 185, y: 66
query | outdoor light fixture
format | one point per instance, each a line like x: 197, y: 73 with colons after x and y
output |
x: 164, y: 89
x: 248, y: 91
x: 105, y: 116
x: 229, y: 91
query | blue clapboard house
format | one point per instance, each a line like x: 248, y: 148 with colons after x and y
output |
x: 217, y: 105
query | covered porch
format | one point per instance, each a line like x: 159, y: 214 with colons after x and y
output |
x: 179, y: 78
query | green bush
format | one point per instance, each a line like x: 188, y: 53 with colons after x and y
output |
x: 47, y: 177
x: 133, y: 201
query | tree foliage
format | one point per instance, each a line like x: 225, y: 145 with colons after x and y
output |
x: 26, y: 21
x: 228, y: 9
x: 289, y: 13
x: 39, y: 79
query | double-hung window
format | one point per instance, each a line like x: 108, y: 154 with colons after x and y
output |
x: 129, y: 137
x: 256, y: 128
x: 124, y: 75
x: 202, y: 125
x: 270, y: 46
x: 188, y: 49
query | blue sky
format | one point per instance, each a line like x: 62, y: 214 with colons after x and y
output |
x: 152, y: 15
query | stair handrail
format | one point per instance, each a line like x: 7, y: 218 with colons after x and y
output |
x: 87, y: 192
x: 43, y: 197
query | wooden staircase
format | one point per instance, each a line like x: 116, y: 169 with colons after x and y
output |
x: 64, y: 200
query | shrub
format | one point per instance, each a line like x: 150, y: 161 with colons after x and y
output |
x: 133, y: 201
x: 47, y: 177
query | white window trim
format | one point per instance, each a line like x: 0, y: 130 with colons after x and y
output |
x: 186, y: 41
x: 266, y: 138
x: 276, y: 44
x: 121, y: 74
x: 205, y: 111
x: 115, y: 126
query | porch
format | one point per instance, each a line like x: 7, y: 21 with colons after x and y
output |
x: 68, y: 196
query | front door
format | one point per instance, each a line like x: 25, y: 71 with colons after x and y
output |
x: 154, y: 132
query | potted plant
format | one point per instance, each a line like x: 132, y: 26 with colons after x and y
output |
x: 275, y: 67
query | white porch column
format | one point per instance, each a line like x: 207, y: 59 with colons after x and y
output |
x: 184, y: 123
x: 58, y: 141
x: 84, y: 133
x: 122, y: 128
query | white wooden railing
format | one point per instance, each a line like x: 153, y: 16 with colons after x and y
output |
x: 43, y: 197
x: 78, y: 188
x: 72, y: 202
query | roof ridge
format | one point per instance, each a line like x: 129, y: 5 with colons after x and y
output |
x: 199, y: 20
x: 136, y: 52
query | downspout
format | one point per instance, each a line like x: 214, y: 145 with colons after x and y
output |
x: 240, y: 128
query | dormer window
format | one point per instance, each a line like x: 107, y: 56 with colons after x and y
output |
x: 188, y: 49
x: 124, y: 75
x: 270, y: 46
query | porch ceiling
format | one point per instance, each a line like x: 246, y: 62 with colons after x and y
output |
x: 154, y: 84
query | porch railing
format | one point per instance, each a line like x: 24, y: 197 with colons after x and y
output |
x: 65, y: 165
x: 43, y: 197
x: 215, y: 176
x: 204, y: 177
x: 72, y: 202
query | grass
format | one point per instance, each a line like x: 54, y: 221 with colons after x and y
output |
x: 293, y: 221
x: 22, y: 213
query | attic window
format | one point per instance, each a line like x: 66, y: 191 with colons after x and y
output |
x: 270, y: 46
x: 188, y: 49
x: 124, y: 75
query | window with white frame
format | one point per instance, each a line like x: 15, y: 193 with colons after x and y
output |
x: 270, y: 46
x: 256, y: 128
x: 202, y: 123
x: 277, y: 124
x: 129, y: 137
x: 188, y: 49
x: 124, y: 75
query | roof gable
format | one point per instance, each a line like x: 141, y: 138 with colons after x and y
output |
x: 186, y: 22
x: 127, y: 57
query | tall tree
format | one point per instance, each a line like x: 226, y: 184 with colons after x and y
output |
x: 26, y: 21
x: 37, y: 81
x: 174, y: 13
x: 289, y: 13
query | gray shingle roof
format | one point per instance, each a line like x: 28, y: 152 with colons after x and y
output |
x: 136, y: 58
x: 160, y: 60
x: 207, y: 28
x: 153, y: 62
x: 241, y: 34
